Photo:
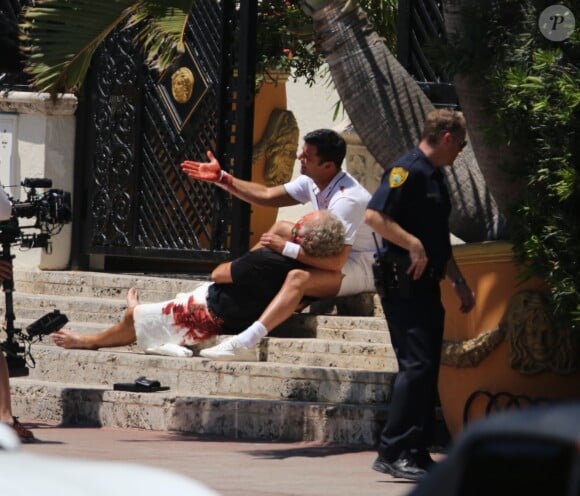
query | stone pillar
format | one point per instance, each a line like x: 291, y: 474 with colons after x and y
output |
x: 359, y: 162
x: 41, y: 142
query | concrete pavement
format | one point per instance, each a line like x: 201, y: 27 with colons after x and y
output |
x: 232, y: 468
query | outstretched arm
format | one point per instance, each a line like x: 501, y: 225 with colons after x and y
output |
x: 248, y: 191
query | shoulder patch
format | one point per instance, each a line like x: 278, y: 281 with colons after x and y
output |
x: 397, y: 177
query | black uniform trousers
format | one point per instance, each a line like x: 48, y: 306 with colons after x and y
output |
x: 416, y: 329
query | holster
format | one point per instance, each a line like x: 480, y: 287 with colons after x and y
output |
x: 391, y: 278
x: 379, y: 277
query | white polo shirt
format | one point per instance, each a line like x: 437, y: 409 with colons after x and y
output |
x: 346, y: 198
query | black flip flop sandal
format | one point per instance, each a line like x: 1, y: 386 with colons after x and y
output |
x: 141, y: 385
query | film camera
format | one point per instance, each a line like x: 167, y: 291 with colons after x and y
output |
x: 52, y: 210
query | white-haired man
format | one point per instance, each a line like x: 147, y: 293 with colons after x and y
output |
x: 240, y: 291
x: 324, y: 184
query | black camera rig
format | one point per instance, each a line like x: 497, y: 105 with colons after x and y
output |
x: 52, y: 210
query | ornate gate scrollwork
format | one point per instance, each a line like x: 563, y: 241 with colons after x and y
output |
x: 140, y: 125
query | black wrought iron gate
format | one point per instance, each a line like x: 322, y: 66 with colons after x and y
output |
x: 418, y: 23
x: 136, y: 126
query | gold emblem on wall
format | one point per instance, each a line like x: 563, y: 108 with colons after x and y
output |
x: 182, y: 83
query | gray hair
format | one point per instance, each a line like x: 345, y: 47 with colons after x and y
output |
x: 322, y: 235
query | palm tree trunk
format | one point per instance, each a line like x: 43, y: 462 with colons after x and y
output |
x: 491, y: 159
x: 387, y: 109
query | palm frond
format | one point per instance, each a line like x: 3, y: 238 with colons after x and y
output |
x: 161, y: 30
x: 61, y: 36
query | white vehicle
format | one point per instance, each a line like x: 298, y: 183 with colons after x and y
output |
x: 25, y: 474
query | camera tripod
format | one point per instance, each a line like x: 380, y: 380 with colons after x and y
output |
x: 14, y: 350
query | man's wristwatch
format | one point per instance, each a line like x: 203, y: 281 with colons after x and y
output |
x: 458, y: 281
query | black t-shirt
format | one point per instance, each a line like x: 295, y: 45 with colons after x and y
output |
x: 257, y: 276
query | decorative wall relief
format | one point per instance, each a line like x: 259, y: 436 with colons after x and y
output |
x: 359, y: 161
x: 470, y: 352
x: 279, y: 144
x: 534, y: 344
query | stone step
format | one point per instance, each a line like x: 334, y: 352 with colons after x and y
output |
x: 357, y: 335
x: 83, y: 328
x: 106, y: 310
x: 329, y: 353
x: 299, y: 351
x: 326, y: 347
x: 201, y: 377
x: 331, y: 329
x: 232, y: 417
x: 291, y: 329
x: 311, y: 325
x: 322, y: 377
x: 103, y: 284
x: 154, y: 288
x: 346, y: 342
x: 364, y: 304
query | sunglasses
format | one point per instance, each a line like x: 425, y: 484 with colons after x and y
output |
x: 462, y: 145
x: 295, y: 232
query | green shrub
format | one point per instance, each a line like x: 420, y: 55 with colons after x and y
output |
x: 532, y: 89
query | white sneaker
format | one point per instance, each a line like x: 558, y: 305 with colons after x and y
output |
x: 230, y: 350
x: 169, y: 349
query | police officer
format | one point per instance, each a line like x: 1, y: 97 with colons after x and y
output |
x: 410, y: 211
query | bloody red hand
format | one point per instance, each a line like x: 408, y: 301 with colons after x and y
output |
x: 206, y: 171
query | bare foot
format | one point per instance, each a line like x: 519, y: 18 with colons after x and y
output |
x: 132, y: 297
x: 68, y: 339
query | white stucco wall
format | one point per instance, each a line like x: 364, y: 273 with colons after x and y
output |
x: 42, y: 146
x: 314, y: 108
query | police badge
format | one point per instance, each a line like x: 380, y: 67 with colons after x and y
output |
x: 397, y: 177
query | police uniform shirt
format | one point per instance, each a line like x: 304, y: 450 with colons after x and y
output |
x: 257, y: 276
x: 413, y: 193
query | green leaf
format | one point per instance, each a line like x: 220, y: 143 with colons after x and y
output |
x: 162, y: 30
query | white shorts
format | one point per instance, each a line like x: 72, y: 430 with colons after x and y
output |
x: 358, y: 274
x: 156, y: 324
